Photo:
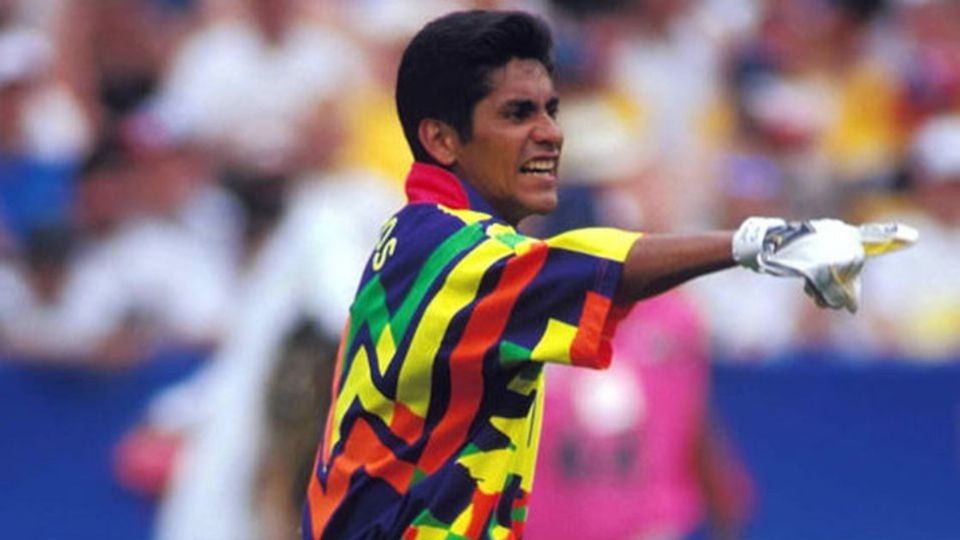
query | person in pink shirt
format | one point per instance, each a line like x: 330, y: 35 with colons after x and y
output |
x: 628, y: 453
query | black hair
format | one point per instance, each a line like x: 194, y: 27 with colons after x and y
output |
x: 445, y: 69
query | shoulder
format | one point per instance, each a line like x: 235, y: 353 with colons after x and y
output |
x: 411, y: 235
x: 600, y: 242
x: 422, y: 234
x: 428, y: 224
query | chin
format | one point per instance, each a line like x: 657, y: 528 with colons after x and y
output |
x: 544, y: 205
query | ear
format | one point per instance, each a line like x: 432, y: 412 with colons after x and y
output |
x: 440, y: 140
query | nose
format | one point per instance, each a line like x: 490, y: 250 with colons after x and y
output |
x: 548, y: 132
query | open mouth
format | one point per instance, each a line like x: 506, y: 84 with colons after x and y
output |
x: 546, y: 167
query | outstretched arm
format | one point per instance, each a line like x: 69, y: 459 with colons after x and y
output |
x: 826, y: 253
x: 659, y: 262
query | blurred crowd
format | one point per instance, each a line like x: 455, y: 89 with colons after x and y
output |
x: 150, y: 148
x: 209, y: 174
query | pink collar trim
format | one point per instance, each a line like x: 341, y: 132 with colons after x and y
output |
x: 432, y: 184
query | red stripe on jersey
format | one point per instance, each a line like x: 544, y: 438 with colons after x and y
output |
x: 362, y: 449
x: 405, y: 424
x: 315, y: 495
x: 591, y: 346
x: 483, y: 330
x: 482, y: 505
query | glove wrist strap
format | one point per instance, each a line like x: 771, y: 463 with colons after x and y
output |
x: 748, y: 240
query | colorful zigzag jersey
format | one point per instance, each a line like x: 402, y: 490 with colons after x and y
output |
x: 435, y: 420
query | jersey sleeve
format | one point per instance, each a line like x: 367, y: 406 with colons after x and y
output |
x: 565, y: 311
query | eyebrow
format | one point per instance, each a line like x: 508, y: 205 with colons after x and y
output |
x: 525, y: 105
x: 518, y: 105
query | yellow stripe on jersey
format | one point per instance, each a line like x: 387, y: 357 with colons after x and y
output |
x: 462, y: 522
x: 530, y: 454
x: 607, y: 243
x: 413, y: 386
x: 555, y: 344
x: 426, y: 532
x: 358, y: 385
x: 386, y: 349
x: 487, y: 468
x: 468, y: 217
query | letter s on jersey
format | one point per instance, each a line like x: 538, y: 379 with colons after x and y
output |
x: 386, y: 246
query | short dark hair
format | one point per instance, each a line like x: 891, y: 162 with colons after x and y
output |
x: 445, y: 68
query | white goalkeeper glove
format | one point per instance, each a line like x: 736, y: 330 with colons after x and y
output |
x: 827, y: 253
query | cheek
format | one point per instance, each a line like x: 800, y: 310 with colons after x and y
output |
x: 499, y: 162
x: 508, y: 156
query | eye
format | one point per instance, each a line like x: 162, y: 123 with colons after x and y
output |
x: 553, y: 109
x: 517, y: 114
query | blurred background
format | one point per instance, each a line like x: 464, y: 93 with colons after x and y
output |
x: 189, y: 188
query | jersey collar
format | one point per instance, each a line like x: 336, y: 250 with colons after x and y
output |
x: 432, y: 184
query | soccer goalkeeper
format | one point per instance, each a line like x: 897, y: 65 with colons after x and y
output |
x: 438, y: 393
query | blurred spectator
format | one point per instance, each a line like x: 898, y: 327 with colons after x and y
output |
x: 42, y: 134
x: 128, y: 272
x: 631, y: 452
x: 306, y: 267
x: 928, y: 59
x: 298, y: 396
x: 667, y: 58
x: 121, y: 273
x: 105, y: 199
x: 115, y: 52
x: 914, y: 301
x: 243, y: 81
x: 814, y: 89
x: 58, y: 308
x: 371, y: 118
x: 45, y: 120
x: 174, y: 180
x: 167, y: 276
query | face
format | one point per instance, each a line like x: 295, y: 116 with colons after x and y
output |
x: 513, y: 155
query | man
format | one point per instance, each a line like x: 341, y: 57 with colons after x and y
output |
x: 437, y: 402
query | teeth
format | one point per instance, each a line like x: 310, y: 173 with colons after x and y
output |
x: 539, y: 166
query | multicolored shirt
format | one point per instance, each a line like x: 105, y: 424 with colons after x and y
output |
x: 438, y: 393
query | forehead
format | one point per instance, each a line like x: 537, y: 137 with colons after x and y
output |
x: 521, y: 78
